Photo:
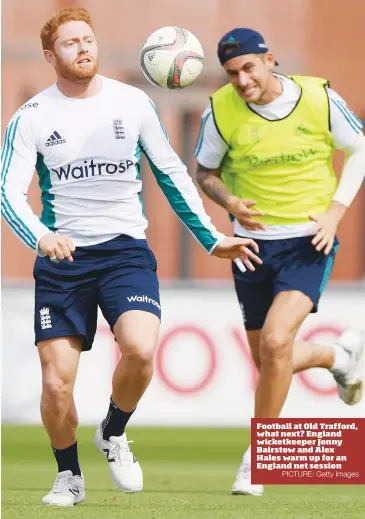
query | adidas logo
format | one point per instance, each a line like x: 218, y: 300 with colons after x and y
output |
x: 151, y: 55
x: 55, y: 139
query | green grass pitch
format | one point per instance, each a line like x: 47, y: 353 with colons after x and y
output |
x: 188, y: 474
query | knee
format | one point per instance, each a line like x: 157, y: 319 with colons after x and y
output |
x: 275, y: 348
x: 138, y: 356
x: 57, y: 390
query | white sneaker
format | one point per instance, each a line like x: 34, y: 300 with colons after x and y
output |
x: 125, y: 471
x: 350, y: 383
x: 68, y: 490
x: 243, y: 485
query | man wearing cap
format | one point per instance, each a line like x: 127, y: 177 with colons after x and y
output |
x: 264, y: 153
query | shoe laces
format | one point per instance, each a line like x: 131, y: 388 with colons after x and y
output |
x: 121, y: 451
x: 62, y: 483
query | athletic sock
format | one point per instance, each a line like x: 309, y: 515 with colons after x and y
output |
x: 342, y: 358
x: 115, y: 421
x: 247, y: 456
x: 67, y: 459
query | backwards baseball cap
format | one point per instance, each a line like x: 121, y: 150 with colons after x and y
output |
x: 241, y: 41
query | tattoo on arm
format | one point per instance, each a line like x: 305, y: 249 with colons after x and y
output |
x: 211, y: 184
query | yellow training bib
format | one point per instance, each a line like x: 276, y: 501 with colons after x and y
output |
x: 285, y: 165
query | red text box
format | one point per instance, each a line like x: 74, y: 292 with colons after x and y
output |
x: 302, y: 451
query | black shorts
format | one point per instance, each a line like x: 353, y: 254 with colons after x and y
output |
x: 290, y: 264
x: 117, y: 275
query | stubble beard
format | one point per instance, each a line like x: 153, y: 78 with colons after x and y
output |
x: 77, y: 74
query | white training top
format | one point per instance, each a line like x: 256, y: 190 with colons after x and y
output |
x: 211, y: 148
x: 87, y: 155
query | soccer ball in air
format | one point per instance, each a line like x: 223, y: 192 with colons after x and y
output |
x: 171, y: 58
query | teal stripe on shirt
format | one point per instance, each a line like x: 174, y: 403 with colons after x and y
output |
x: 48, y: 217
x: 138, y: 176
x: 178, y: 202
x: 158, y: 117
x: 201, y: 134
x: 10, y: 218
x: 349, y: 116
x: 8, y: 212
x: 4, y: 145
x: 10, y: 146
x: 351, y: 113
x: 6, y: 150
x: 181, y: 207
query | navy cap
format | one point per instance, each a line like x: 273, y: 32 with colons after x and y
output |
x: 241, y: 41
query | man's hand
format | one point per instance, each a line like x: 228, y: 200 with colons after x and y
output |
x: 241, y: 210
x: 327, y: 226
x: 232, y: 248
x: 57, y: 247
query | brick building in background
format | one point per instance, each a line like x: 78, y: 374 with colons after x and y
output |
x: 309, y: 37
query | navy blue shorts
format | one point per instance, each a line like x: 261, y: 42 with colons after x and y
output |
x: 117, y: 275
x: 291, y: 264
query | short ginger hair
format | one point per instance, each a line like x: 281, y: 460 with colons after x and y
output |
x: 49, y: 31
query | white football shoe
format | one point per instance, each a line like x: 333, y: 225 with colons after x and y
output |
x: 350, y: 383
x: 125, y: 471
x: 242, y: 485
x: 68, y: 490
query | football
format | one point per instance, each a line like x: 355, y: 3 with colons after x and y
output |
x: 171, y: 58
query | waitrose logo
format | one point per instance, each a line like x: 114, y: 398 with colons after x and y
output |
x: 91, y: 169
x: 143, y: 299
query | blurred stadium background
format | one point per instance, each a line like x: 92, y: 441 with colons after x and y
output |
x: 204, y: 376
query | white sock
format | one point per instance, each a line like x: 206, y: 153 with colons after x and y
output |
x: 247, y: 456
x: 342, y: 358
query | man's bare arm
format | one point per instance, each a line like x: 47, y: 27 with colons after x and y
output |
x: 211, y: 184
